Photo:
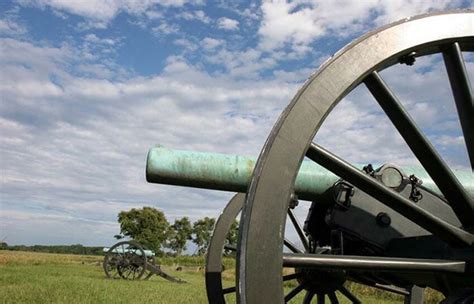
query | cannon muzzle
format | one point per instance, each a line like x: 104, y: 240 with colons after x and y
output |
x: 227, y: 172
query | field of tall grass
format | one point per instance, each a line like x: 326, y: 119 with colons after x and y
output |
x: 29, y: 277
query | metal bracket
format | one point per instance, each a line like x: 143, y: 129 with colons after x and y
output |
x: 416, y: 295
x: 343, y: 191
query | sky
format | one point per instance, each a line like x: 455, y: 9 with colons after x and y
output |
x: 87, y: 87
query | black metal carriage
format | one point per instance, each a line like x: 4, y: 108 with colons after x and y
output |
x: 129, y: 260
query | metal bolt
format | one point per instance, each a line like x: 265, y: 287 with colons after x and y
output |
x: 408, y: 59
x: 383, y: 219
x: 293, y: 201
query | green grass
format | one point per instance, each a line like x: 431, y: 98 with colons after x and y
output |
x: 52, y: 278
x: 27, y: 277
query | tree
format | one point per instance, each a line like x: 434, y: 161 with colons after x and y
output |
x: 202, y: 230
x: 148, y: 226
x: 180, y: 233
x: 231, y: 238
x: 3, y: 245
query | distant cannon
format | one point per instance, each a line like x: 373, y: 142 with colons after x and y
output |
x: 397, y: 229
x: 129, y: 260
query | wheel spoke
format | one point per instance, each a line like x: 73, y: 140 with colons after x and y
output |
x: 136, y: 272
x: 294, y: 292
x: 462, y: 92
x: 117, y: 273
x: 133, y: 272
x: 333, y: 298
x: 349, y: 295
x: 129, y: 272
x: 308, y: 297
x: 321, y: 298
x: 425, y: 219
x: 230, y: 247
x: 423, y: 150
x: 291, y: 246
x: 299, y: 229
x: 228, y: 290
x: 289, y: 277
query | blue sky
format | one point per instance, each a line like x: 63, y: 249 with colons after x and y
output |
x: 87, y: 87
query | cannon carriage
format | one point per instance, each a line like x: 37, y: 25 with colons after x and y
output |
x: 397, y: 229
x: 130, y: 260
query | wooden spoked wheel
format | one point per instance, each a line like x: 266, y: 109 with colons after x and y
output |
x: 261, y: 237
x: 125, y: 260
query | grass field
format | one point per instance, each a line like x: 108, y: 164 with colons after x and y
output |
x: 29, y: 277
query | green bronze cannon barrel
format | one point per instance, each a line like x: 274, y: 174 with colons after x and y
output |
x: 226, y: 172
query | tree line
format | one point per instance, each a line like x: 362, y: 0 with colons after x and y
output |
x: 66, y: 249
x: 149, y: 227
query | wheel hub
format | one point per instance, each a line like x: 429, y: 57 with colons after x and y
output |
x: 320, y: 282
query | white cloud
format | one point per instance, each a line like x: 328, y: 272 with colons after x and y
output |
x: 299, y: 23
x: 95, y: 70
x: 186, y: 44
x: 92, y: 24
x: 165, y: 29
x: 211, y: 43
x: 248, y: 64
x: 87, y: 138
x: 249, y: 11
x: 98, y: 10
x: 251, y: 14
x: 227, y: 24
x: 103, y: 11
x: 198, y: 15
x: 10, y: 27
x: 449, y: 141
x: 55, y: 229
x: 394, y: 10
x: 359, y: 131
x: 94, y: 39
x: 281, y: 24
x: 152, y: 14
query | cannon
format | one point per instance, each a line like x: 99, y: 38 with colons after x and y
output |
x: 393, y: 228
x: 130, y: 260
